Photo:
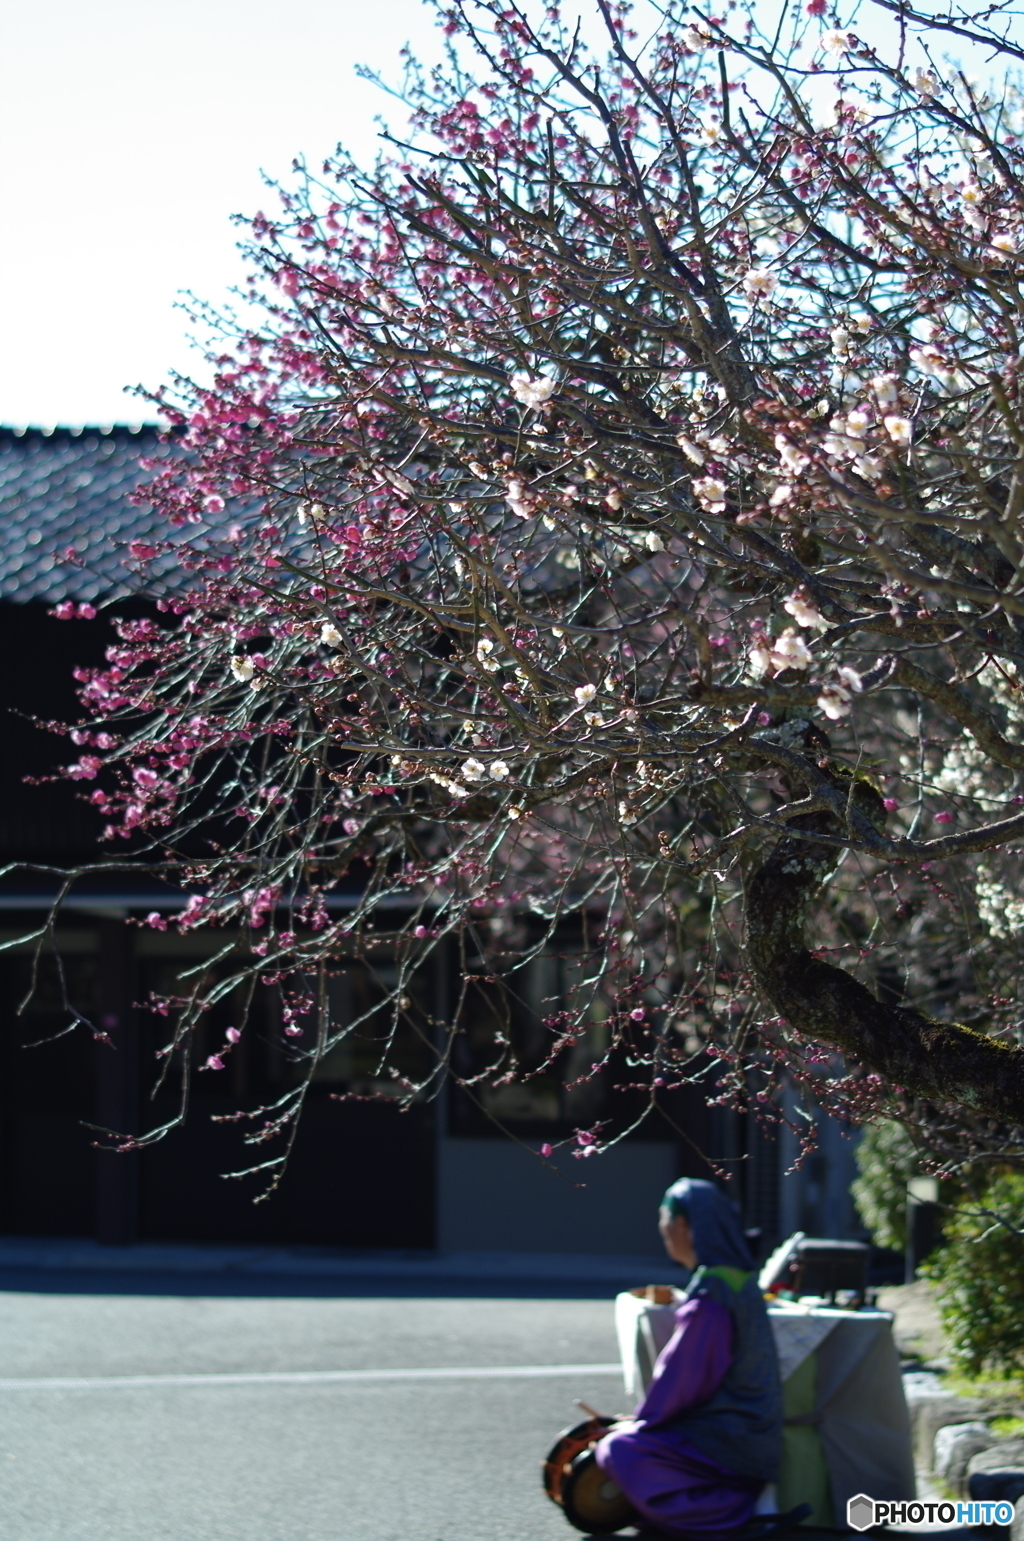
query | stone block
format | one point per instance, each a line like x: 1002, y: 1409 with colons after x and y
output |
x: 920, y: 1387
x: 1001, y: 1455
x: 955, y: 1444
x: 932, y: 1413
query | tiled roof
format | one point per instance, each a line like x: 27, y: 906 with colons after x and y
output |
x: 70, y: 487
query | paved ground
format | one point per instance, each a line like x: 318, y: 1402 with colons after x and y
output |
x: 174, y: 1455
x: 203, y: 1394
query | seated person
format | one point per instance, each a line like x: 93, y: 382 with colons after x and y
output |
x: 707, y: 1436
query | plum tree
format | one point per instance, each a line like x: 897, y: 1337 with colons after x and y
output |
x: 614, y: 512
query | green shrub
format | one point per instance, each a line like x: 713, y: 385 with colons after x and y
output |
x: 886, y: 1161
x: 979, y: 1275
x: 1007, y: 1427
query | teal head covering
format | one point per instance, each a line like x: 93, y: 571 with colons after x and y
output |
x: 718, y: 1237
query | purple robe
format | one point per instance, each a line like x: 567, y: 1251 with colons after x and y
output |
x: 672, y: 1484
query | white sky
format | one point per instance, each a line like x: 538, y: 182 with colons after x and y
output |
x: 130, y: 132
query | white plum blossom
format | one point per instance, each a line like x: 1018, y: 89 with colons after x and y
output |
x: 593, y: 719
x: 804, y: 611
x: 846, y: 442
x: 691, y: 450
x: 886, y: 390
x: 760, y: 284
x: 310, y: 511
x: 1001, y: 911
x: 837, y: 43
x: 782, y: 495
x: 696, y: 39
x: 653, y: 541
x: 925, y: 82
x: 841, y: 341
x: 532, y: 391
x: 790, y: 651
x: 242, y: 668
x: 966, y: 772
x: 930, y: 361
x: 454, y: 787
x: 474, y: 770
x: 396, y: 479
x: 1003, y: 242
x: 711, y: 493
x: 500, y: 770
x: 518, y: 499
x: 330, y: 636
x: 711, y: 131
x: 838, y: 442
x: 792, y: 458
x: 759, y: 658
x: 484, y: 649
x: 835, y: 701
x: 898, y: 429
x: 584, y: 693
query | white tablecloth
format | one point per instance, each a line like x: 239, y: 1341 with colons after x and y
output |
x: 860, y: 1412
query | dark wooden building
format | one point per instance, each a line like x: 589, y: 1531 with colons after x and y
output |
x: 363, y: 1175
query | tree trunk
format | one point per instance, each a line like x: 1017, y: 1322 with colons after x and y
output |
x: 940, y: 1061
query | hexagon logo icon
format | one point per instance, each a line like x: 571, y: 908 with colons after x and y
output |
x: 860, y: 1512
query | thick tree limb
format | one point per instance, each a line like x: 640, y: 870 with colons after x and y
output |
x: 855, y: 828
x: 962, y: 709
x: 940, y: 1061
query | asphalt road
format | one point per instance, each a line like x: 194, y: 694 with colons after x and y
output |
x: 114, y: 1425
